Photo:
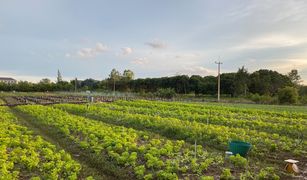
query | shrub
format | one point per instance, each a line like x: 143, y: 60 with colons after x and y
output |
x: 288, y: 95
x: 238, y: 161
x: 246, y: 176
x: 303, y: 99
x: 226, y: 175
x: 167, y: 93
x: 264, y: 99
x: 267, y: 174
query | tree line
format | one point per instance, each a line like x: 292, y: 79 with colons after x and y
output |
x: 262, y: 82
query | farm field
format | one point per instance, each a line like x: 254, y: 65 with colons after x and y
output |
x: 151, y: 140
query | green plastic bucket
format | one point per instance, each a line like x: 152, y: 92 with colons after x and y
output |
x: 239, y: 147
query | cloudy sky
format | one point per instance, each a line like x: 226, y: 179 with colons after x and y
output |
x: 151, y: 37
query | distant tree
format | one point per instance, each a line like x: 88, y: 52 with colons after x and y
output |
x: 195, y: 83
x: 294, y: 77
x: 303, y: 90
x: 128, y: 74
x: 75, y: 84
x: 44, y: 85
x: 25, y: 86
x: 209, y: 85
x: 64, y: 86
x: 167, y: 93
x: 91, y: 84
x: 59, y: 78
x: 227, y: 83
x: 181, y: 84
x: 113, y: 77
x: 124, y: 83
x: 241, y: 81
x: 288, y: 95
x: 45, y: 81
x: 267, y: 82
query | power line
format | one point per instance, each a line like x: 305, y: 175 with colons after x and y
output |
x: 218, y: 80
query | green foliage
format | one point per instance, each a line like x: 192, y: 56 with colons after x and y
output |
x: 162, y: 175
x: 206, y: 178
x: 294, y: 77
x: 139, y: 171
x: 117, y: 133
x: 148, y: 177
x: 303, y: 99
x: 148, y: 156
x: 238, y: 161
x: 25, y: 155
x: 288, y: 95
x: 226, y: 175
x: 267, y: 82
x: 246, y: 176
x: 263, y: 99
x: 167, y: 93
x: 267, y: 174
x: 241, y: 82
x: 188, y: 121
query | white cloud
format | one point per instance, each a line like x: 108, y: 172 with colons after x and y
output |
x: 87, y: 53
x: 140, y: 61
x: 126, y: 50
x: 101, y: 47
x: 90, y: 52
x: 157, y: 44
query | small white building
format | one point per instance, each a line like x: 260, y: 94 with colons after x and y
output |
x: 7, y: 80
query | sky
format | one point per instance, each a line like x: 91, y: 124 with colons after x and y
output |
x: 153, y: 38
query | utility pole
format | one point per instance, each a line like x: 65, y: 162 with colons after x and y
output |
x: 218, y: 80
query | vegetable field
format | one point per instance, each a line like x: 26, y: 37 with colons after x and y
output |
x: 149, y: 140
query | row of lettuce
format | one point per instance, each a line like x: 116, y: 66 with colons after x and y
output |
x: 27, y: 156
x: 145, y: 154
x: 149, y: 156
x: 216, y: 136
x: 211, y: 115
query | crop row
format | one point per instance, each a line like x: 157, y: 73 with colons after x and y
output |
x: 147, y: 155
x: 209, y: 135
x: 26, y: 156
x: 290, y: 130
x: 225, y: 111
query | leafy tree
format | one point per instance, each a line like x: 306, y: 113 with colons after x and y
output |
x: 227, y: 83
x: 195, y: 84
x: 113, y: 77
x: 241, y: 82
x: 123, y: 84
x: 267, y: 82
x: 181, y: 84
x: 167, y: 93
x: 303, y: 90
x: 209, y: 85
x: 128, y: 75
x: 288, y: 95
x: 294, y: 77
x: 90, y: 83
x: 59, y: 78
x: 64, y: 86
x: 45, y: 81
